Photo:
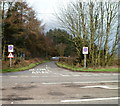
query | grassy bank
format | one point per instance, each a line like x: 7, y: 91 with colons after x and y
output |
x: 74, y: 68
x: 32, y: 65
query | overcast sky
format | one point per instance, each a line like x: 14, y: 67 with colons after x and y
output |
x: 45, y: 10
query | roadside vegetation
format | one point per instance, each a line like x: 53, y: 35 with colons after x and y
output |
x: 93, y: 25
x: 28, y: 64
x: 84, y: 24
x: 78, y: 69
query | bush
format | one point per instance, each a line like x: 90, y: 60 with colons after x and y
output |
x: 69, y: 60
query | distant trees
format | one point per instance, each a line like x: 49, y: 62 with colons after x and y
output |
x: 61, y: 49
x: 93, y: 24
x: 21, y: 28
x: 62, y: 42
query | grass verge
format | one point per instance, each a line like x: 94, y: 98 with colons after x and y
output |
x: 77, y: 69
x: 32, y: 65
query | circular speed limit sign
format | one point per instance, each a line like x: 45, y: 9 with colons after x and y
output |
x: 85, y: 50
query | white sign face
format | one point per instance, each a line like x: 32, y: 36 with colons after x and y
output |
x: 10, y: 55
x: 10, y: 48
x: 85, y: 50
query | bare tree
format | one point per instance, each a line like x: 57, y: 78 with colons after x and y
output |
x: 91, y: 24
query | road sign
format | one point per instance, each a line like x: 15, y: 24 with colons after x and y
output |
x: 10, y: 48
x: 85, y: 50
x: 10, y: 55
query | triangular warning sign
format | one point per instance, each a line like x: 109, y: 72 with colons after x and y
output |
x: 10, y: 55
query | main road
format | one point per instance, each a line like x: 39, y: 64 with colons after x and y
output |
x: 49, y: 84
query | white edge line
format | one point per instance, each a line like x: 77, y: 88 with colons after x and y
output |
x: 96, y: 99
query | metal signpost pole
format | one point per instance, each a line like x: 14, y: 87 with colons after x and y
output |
x: 10, y: 62
x: 84, y: 60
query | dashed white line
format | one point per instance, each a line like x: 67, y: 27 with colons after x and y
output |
x: 76, y: 75
x: 85, y: 75
x: 55, y: 83
x: 35, y: 76
x: 95, y: 99
x: 65, y: 75
x: 14, y: 76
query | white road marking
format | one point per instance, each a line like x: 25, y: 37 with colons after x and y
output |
x: 26, y: 76
x: 95, y: 99
x: 55, y: 83
x: 55, y: 73
x: 87, y: 75
x: 11, y: 102
x: 14, y: 76
x: 61, y: 74
x: 95, y: 74
x: 101, y: 86
x: 46, y: 71
x: 42, y: 72
x: 76, y: 75
x: 65, y: 75
x: 34, y: 76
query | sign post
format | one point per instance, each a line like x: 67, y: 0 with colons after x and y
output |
x: 84, y: 60
x: 10, y: 56
x: 85, y: 51
x: 10, y: 62
x: 10, y: 49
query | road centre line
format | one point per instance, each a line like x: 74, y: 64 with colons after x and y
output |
x: 65, y: 75
x: 95, y: 99
x: 54, y: 83
x: 76, y: 75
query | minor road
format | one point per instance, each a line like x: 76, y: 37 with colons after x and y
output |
x: 49, y: 84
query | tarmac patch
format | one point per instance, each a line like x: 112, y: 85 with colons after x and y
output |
x: 23, y: 88
x: 16, y: 98
x: 87, y: 97
x: 73, y: 85
x: 56, y: 93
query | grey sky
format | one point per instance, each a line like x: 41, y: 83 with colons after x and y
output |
x: 45, y: 10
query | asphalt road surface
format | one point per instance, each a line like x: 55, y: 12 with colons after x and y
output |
x: 49, y: 84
